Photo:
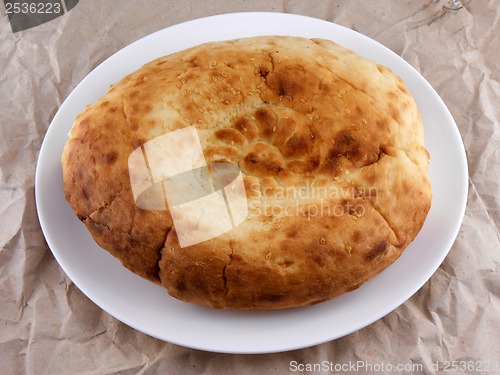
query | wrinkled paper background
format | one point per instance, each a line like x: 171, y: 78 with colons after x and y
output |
x: 47, y: 325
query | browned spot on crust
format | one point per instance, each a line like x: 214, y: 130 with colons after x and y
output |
x: 377, y: 250
x: 297, y: 145
x: 252, y: 187
x: 230, y: 136
x: 319, y: 259
x: 292, y: 231
x: 395, y: 113
x: 226, y: 152
x: 111, y: 157
x: 407, y: 189
x: 392, y: 95
x: 180, y: 285
x: 266, y: 121
x: 246, y: 127
x: 85, y: 193
x: 358, y: 111
x: 236, y: 257
x: 287, y: 82
x: 347, y: 145
x: 271, y: 297
x: 357, y: 237
x: 262, y: 167
x: 263, y: 71
x: 304, y: 166
x: 133, y: 94
x: 262, y: 161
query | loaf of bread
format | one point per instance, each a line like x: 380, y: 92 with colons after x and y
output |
x: 323, y: 180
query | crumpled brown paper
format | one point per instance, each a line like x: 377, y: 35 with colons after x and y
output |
x: 47, y: 326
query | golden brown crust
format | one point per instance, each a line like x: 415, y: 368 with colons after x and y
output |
x: 293, y: 114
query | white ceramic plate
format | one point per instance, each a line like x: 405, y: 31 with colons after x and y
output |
x: 148, y: 307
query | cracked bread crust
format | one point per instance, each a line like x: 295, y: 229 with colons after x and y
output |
x: 295, y: 115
